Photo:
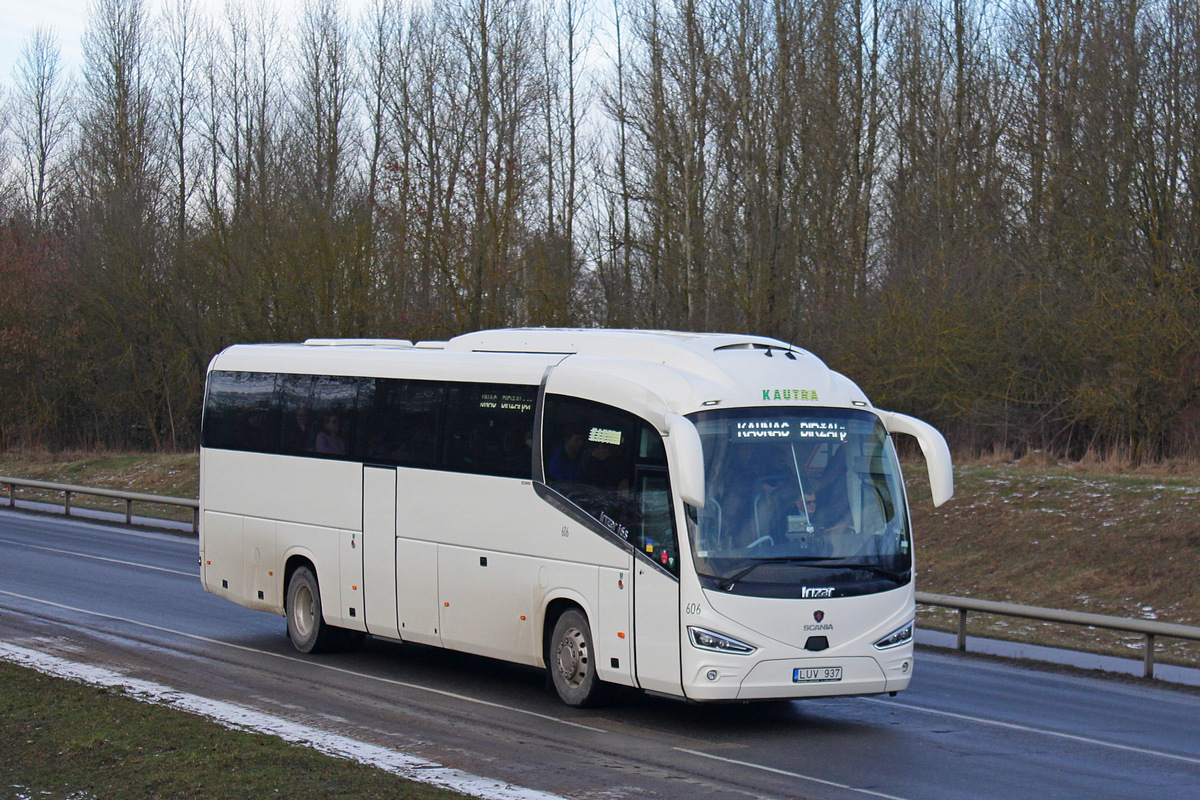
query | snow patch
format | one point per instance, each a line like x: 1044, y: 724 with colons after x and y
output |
x: 413, y: 768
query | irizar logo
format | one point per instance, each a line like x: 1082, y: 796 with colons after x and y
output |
x: 819, y: 591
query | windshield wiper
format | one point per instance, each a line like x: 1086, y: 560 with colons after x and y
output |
x: 726, y: 584
x: 820, y: 563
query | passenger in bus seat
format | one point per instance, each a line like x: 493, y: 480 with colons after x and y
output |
x: 299, y: 435
x: 602, y: 468
x: 329, y: 439
x: 566, y: 462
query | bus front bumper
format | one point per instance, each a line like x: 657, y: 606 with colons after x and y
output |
x: 802, y: 677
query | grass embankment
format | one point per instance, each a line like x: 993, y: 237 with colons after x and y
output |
x: 65, y: 740
x: 1071, y: 536
x: 167, y: 474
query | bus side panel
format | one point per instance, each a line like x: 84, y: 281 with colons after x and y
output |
x: 352, y: 612
x: 224, y: 564
x: 262, y: 588
x: 314, y: 491
x: 379, y: 551
x: 656, y: 630
x: 495, y: 514
x: 612, y: 632
x: 486, y: 603
x: 417, y: 591
x: 533, y: 552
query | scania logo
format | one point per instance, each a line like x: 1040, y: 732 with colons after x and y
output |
x: 818, y: 615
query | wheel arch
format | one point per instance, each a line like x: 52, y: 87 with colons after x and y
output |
x: 292, y: 562
x: 555, y: 608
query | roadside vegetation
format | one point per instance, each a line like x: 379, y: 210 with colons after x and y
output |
x: 999, y: 235
x: 62, y: 739
x: 1098, y: 537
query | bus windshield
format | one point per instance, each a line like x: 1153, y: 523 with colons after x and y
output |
x: 799, y: 503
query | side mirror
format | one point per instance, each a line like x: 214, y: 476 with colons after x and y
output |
x: 933, y: 447
x: 687, y: 459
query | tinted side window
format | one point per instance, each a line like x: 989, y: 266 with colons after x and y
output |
x: 299, y: 425
x: 334, y: 405
x: 612, y: 465
x: 489, y: 428
x: 401, y: 420
x: 241, y: 412
x: 320, y: 415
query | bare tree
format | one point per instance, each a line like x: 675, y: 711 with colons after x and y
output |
x: 498, y: 40
x: 324, y: 113
x: 43, y: 120
x: 179, y: 62
x: 119, y: 249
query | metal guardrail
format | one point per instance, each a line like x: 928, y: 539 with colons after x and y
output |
x: 1151, y: 629
x: 129, y: 497
x: 1146, y: 627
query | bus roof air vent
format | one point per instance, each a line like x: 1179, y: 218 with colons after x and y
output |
x: 768, y: 349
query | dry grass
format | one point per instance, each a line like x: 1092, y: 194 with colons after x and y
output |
x: 62, y: 740
x: 1089, y: 536
x: 168, y: 474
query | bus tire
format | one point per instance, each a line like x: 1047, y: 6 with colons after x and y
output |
x: 572, y: 661
x: 305, y: 624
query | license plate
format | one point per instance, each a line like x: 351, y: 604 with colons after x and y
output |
x: 816, y: 674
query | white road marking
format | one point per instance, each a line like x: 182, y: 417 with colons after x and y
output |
x: 237, y: 717
x: 789, y: 774
x: 100, y: 558
x: 1029, y: 729
x: 308, y: 662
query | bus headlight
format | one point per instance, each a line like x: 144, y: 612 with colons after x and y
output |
x: 707, y: 640
x: 896, y: 638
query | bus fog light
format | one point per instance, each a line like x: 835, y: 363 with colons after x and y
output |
x: 896, y: 638
x: 707, y: 640
x: 712, y: 675
x: 904, y: 667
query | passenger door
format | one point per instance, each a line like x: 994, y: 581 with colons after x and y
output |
x: 656, y: 629
x: 379, y: 551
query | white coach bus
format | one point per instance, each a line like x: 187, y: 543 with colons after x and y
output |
x: 706, y: 516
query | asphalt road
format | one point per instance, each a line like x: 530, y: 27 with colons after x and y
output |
x: 966, y: 728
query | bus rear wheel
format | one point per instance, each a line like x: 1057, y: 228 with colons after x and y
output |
x: 572, y: 661
x: 305, y: 623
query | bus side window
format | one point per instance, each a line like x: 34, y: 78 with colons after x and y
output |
x: 334, y: 406
x: 612, y: 464
x: 401, y: 420
x: 320, y: 415
x: 299, y: 424
x: 241, y: 412
x: 489, y: 428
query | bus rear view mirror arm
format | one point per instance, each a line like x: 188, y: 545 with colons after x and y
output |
x: 933, y: 447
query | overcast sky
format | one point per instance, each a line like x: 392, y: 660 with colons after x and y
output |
x: 19, y: 17
x: 68, y: 18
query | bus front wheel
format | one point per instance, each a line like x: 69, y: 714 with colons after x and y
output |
x: 572, y: 660
x: 305, y: 623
